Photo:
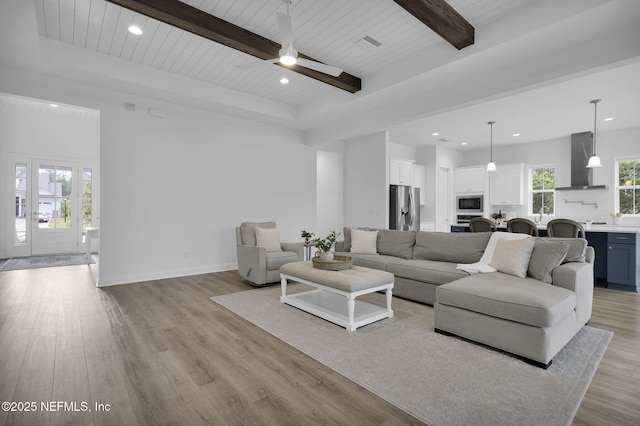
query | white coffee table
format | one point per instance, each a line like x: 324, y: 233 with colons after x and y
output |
x: 334, y: 296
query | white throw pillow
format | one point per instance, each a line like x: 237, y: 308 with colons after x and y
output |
x: 268, y: 238
x: 363, y: 242
x: 512, y: 256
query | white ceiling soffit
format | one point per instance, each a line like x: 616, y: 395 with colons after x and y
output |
x: 48, y: 107
x: 549, y: 112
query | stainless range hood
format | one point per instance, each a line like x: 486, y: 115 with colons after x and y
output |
x: 581, y: 176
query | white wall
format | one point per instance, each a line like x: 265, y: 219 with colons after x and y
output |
x: 366, y: 190
x: 173, y: 189
x: 40, y: 134
x: 611, y: 145
x: 401, y: 152
x: 434, y: 157
x: 330, y: 191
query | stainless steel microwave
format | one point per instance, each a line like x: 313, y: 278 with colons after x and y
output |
x: 470, y: 203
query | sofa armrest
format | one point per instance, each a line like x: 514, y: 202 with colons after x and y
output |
x: 339, y: 246
x: 252, y: 263
x: 297, y: 248
x: 590, y: 254
x: 577, y: 277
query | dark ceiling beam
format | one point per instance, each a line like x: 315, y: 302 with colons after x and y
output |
x: 443, y: 19
x: 195, y: 21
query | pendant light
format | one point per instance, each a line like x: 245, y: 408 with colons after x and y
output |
x: 594, y: 161
x: 491, y: 167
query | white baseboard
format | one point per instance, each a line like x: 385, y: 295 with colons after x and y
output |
x: 158, y: 275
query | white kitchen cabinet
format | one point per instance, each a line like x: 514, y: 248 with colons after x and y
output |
x: 400, y: 172
x: 505, y: 185
x: 418, y: 178
x: 470, y: 179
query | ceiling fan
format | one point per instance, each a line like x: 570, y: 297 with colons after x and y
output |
x: 288, y: 55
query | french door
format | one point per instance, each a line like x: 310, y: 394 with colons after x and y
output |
x: 55, y: 207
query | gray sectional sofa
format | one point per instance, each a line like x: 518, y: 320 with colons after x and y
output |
x: 532, y: 317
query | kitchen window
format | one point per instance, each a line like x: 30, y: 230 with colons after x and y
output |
x: 628, y: 186
x: 542, y: 188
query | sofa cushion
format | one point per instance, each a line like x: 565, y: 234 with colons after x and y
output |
x: 375, y: 261
x: 276, y: 259
x: 364, y: 242
x: 248, y: 231
x: 512, y: 256
x: 455, y: 247
x: 523, y: 300
x: 396, y: 243
x: 546, y: 256
x: 429, y: 271
x: 269, y: 238
x: 577, y: 248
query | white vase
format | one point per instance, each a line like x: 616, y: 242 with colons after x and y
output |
x: 617, y: 220
x: 326, y: 255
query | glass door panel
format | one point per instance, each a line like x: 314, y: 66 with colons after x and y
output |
x: 53, y: 220
x: 20, y: 223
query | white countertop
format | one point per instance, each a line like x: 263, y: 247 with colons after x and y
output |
x: 593, y: 228
x: 611, y: 228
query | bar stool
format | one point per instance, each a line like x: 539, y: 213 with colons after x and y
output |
x: 520, y: 225
x: 566, y: 228
x: 482, y: 224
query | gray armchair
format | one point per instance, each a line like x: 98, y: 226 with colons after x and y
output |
x: 256, y: 264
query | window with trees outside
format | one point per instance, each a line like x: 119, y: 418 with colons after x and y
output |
x: 628, y: 186
x: 543, y: 183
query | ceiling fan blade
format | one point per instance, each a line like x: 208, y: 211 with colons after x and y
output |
x: 257, y: 63
x: 284, y: 27
x: 317, y: 66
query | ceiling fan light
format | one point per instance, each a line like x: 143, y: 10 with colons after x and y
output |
x: 491, y: 167
x: 288, y: 60
x: 594, y: 162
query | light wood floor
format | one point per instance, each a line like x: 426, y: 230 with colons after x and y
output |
x: 162, y: 353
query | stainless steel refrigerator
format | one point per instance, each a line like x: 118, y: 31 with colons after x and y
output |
x: 404, y: 208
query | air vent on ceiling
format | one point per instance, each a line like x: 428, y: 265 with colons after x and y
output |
x: 443, y: 140
x: 368, y: 43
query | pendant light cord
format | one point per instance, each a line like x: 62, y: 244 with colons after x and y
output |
x: 595, y: 122
x: 491, y: 123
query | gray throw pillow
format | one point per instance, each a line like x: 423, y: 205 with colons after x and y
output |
x: 546, y: 256
x: 512, y: 256
x: 577, y: 248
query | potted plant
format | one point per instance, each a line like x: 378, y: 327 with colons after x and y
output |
x: 308, y: 237
x: 325, y: 244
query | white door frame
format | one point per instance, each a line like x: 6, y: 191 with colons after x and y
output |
x: 14, y: 250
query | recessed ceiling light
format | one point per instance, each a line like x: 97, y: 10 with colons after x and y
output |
x: 135, y: 30
x: 435, y: 134
x: 516, y: 134
x: 608, y: 119
x: 464, y: 143
x: 53, y: 105
x: 284, y: 80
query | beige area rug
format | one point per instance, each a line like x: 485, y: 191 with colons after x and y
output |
x: 438, y: 379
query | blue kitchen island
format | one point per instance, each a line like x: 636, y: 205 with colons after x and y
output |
x: 617, y: 262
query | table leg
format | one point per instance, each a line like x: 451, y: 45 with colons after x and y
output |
x: 283, y: 286
x: 389, y: 297
x: 351, y: 307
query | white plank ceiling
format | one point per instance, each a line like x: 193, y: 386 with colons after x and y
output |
x: 326, y: 30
